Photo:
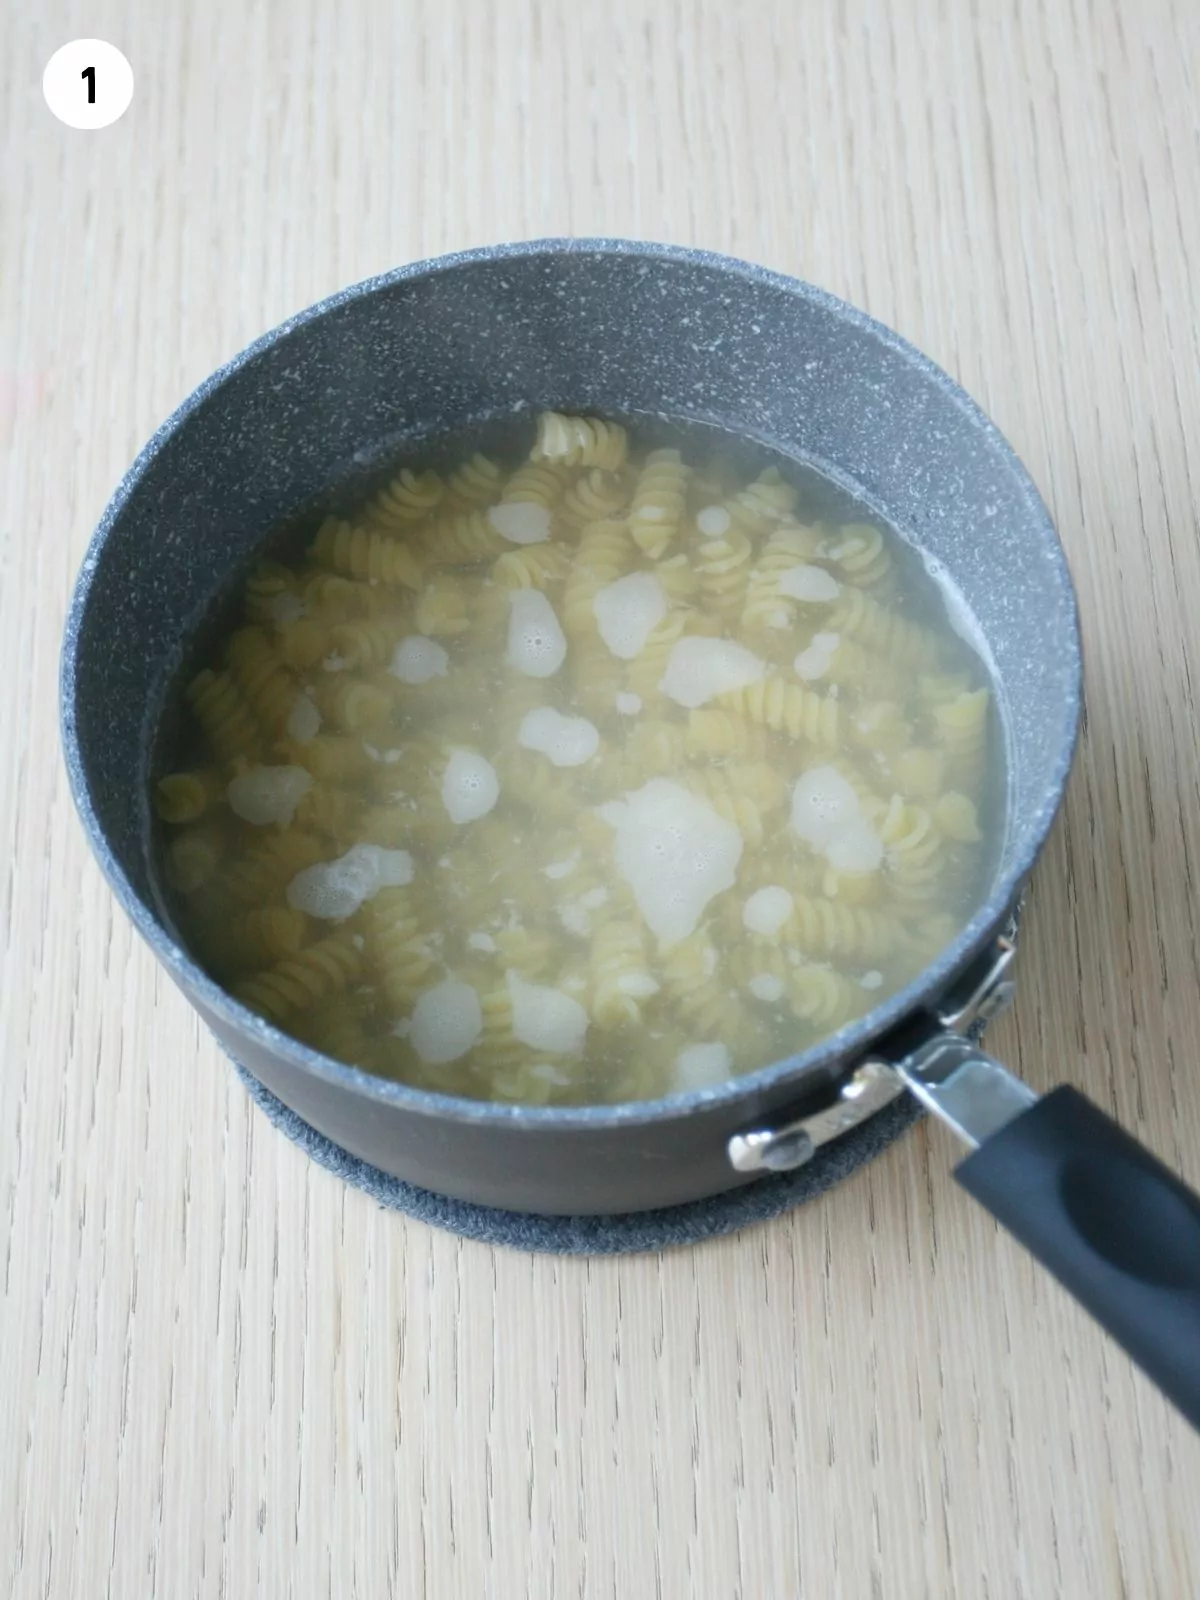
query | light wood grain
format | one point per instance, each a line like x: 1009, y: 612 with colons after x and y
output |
x: 221, y: 1373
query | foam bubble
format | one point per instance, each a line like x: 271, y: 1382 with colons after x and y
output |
x: 698, y: 669
x: 418, y: 659
x: 521, y: 522
x: 675, y: 853
x: 700, y: 1066
x: 483, y: 942
x: 713, y: 521
x: 566, y: 741
x: 304, y: 720
x: 766, y: 986
x: 767, y: 910
x: 814, y: 662
x: 470, y: 787
x: 629, y: 704
x: 627, y: 610
x: 812, y: 584
x: 562, y: 869
x: 285, y: 608
x: 537, y: 645
x: 546, y: 1018
x: 446, y: 1021
x: 268, y: 794
x: 827, y: 815
x: 331, y: 890
x: 871, y: 980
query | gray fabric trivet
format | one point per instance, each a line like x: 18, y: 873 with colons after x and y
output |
x: 638, y: 1230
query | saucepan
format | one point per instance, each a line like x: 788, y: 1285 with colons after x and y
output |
x: 627, y: 328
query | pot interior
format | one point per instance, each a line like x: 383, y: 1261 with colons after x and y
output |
x: 319, y: 410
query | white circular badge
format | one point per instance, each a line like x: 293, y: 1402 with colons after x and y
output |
x: 88, y: 84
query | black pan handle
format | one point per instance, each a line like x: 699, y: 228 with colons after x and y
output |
x: 1118, y: 1229
x: 1114, y: 1225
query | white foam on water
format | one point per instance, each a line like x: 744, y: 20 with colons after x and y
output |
x: 827, y: 815
x: 814, y: 662
x: 565, y: 741
x: 332, y: 890
x: 627, y: 610
x: 537, y: 645
x: 675, y: 853
x: 701, y: 1066
x: 447, y: 1021
x: 713, y: 521
x: 521, y: 522
x: 470, y: 787
x: 767, y: 910
x: 268, y: 794
x: 699, y: 669
x: 418, y: 660
x: 811, y: 584
x: 545, y: 1018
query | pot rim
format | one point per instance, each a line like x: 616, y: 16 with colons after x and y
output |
x: 793, y: 1071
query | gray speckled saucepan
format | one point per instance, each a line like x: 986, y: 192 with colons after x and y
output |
x: 622, y: 327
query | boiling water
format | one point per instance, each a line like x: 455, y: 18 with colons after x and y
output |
x: 579, y: 767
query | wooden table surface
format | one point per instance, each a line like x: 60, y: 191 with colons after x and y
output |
x: 222, y: 1372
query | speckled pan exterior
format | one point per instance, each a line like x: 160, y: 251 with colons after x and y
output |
x: 605, y: 325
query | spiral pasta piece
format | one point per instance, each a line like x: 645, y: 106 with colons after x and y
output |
x: 272, y: 590
x: 535, y: 566
x: 366, y: 554
x: 659, y: 501
x: 692, y: 981
x: 723, y: 568
x: 340, y: 1033
x: 677, y: 578
x: 224, y: 714
x: 310, y: 978
x: 956, y: 816
x: 394, y: 946
x: 331, y: 811
x: 367, y: 643
x: 904, y: 643
x: 262, y: 677
x: 621, y: 978
x: 914, y: 850
x: 329, y: 597
x: 351, y: 705
x: 788, y: 708
x: 594, y: 497
x: 193, y: 859
x: 528, y: 951
x: 334, y: 757
x: 882, y: 727
x: 766, y: 606
x: 263, y: 875
x: 604, y: 552
x: 825, y: 998
x: 408, y: 499
x: 441, y: 609
x: 186, y: 796
x: 858, y: 553
x: 762, y: 503
x: 712, y: 732
x: 477, y: 483
x: 580, y: 441
x: 655, y: 746
x: 302, y: 642
x: 264, y: 935
x: 537, y: 483
x: 961, y: 725
x: 461, y: 540
x: 820, y: 926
